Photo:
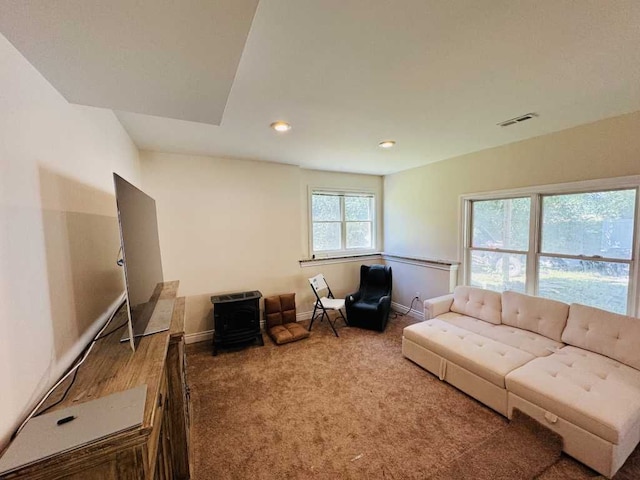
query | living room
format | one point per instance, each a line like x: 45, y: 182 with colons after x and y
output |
x: 233, y: 196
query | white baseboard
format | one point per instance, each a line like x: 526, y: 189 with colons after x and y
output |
x: 397, y: 307
x: 205, y: 336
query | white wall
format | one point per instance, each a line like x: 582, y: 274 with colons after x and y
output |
x: 422, y: 205
x: 233, y: 225
x: 59, y: 231
x: 422, y: 279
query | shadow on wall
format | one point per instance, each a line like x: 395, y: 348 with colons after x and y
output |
x: 81, y: 245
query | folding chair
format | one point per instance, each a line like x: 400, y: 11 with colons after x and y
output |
x: 318, y: 283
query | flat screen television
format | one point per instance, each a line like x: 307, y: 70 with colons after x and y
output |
x: 141, y: 260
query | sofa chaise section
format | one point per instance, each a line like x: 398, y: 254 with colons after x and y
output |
x: 472, y: 362
x: 589, y: 391
x: 574, y: 368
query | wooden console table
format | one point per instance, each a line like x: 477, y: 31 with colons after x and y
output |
x: 158, y: 449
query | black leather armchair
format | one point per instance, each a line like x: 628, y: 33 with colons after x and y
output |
x: 369, y: 306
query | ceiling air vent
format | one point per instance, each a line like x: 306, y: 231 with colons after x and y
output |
x: 521, y: 118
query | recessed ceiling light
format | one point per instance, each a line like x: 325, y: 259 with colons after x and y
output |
x: 281, y: 126
x: 387, y: 143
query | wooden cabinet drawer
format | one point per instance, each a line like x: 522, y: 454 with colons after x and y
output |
x: 158, y: 414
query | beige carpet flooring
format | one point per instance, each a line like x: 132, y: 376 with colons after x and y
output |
x: 527, y: 449
x: 351, y: 407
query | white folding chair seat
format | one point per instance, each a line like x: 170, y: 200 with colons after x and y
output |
x: 332, y: 303
x: 325, y: 303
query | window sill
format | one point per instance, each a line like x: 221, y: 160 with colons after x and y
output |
x: 314, y: 262
x: 448, y: 264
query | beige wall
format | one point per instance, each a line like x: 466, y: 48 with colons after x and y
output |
x: 422, y: 205
x: 59, y: 236
x: 233, y: 225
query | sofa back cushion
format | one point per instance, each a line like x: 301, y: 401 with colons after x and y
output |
x: 477, y: 302
x: 536, y: 314
x: 606, y: 333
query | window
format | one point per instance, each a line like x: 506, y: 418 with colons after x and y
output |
x: 500, y: 243
x: 573, y: 246
x: 586, y: 245
x: 342, y: 222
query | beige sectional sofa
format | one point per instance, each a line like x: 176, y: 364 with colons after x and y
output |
x: 573, y: 368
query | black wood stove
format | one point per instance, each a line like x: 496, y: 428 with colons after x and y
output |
x: 236, y: 319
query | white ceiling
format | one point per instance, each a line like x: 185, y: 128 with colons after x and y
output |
x: 434, y: 75
x: 175, y: 59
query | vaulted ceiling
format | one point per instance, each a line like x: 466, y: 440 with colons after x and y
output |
x: 436, y: 76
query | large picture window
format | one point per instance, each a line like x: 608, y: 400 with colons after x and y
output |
x: 573, y: 246
x: 342, y: 222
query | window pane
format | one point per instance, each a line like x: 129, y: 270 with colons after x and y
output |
x: 325, y: 208
x: 501, y: 223
x: 326, y: 236
x: 357, y: 208
x: 598, y: 284
x: 498, y: 271
x: 597, y: 223
x: 359, y: 235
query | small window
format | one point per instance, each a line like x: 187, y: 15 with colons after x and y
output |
x: 342, y: 222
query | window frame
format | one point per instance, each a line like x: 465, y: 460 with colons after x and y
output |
x: 536, y: 193
x: 343, y: 251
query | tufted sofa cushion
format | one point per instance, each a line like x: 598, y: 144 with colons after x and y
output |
x: 468, y: 323
x: 530, y: 342
x: 610, y: 334
x: 536, y: 314
x: 486, y: 358
x: 594, y: 392
x: 476, y: 302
